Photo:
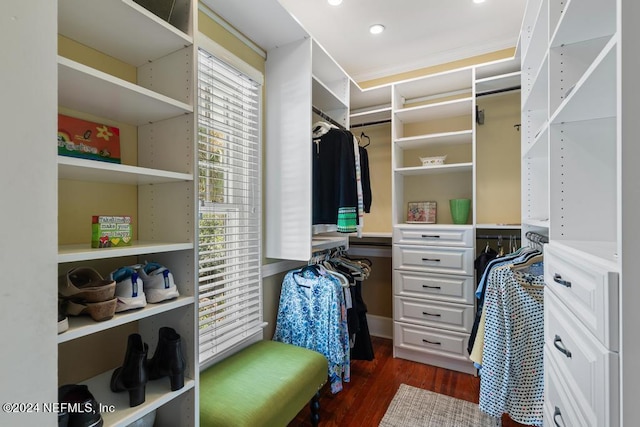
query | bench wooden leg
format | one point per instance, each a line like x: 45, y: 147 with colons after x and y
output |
x: 315, y: 409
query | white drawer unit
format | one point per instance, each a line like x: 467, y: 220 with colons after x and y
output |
x: 440, y: 287
x: 433, y: 236
x: 559, y: 406
x: 588, y: 289
x: 433, y: 285
x: 589, y: 369
x: 455, y: 317
x: 431, y: 340
x: 434, y: 259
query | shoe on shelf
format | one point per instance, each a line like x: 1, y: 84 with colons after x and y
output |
x: 132, y: 376
x: 63, y: 321
x: 79, y: 396
x: 168, y: 359
x: 99, y: 311
x: 158, y: 283
x: 129, y: 289
x: 85, y: 284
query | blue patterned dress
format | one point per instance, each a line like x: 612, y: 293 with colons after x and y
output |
x: 312, y: 314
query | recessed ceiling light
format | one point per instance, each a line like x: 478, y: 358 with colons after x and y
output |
x: 376, y: 28
x: 478, y: 1
x: 334, y: 2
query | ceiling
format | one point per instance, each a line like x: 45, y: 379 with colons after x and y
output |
x: 419, y: 33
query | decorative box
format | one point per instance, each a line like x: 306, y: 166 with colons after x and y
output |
x: 110, y: 231
x: 432, y: 161
x: 88, y: 140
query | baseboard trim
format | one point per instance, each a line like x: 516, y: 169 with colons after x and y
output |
x: 380, y: 326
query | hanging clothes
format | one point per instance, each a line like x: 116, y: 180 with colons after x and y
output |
x: 341, y: 183
x: 312, y: 314
x: 511, y: 376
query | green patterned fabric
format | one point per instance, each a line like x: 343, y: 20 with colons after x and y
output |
x: 347, y: 220
x: 265, y: 384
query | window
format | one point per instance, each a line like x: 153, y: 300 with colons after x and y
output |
x: 230, y: 300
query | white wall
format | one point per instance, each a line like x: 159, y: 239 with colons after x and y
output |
x: 28, y: 208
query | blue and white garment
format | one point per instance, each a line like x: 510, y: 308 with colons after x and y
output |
x: 512, y: 379
x: 312, y: 314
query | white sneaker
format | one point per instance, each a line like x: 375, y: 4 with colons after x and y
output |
x: 129, y: 289
x: 158, y: 283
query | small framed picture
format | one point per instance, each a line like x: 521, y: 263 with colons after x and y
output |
x: 421, y: 212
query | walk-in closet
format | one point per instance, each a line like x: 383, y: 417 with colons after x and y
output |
x: 340, y: 213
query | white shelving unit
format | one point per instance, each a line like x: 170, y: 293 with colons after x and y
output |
x: 300, y: 76
x: 574, y: 190
x: 160, y: 106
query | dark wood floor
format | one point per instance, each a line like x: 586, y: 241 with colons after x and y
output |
x: 365, y: 399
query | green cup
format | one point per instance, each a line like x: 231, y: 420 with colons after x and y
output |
x: 459, y: 210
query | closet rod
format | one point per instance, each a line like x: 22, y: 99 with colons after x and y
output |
x: 492, y: 92
x: 326, y: 117
x: 507, y: 237
x: 379, y: 122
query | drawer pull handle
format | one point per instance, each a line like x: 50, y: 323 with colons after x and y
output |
x: 431, y: 314
x: 557, y: 413
x: 430, y: 236
x: 431, y: 287
x: 432, y: 342
x: 431, y: 259
x: 558, y: 279
x: 556, y: 343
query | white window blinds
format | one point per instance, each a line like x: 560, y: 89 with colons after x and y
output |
x: 230, y: 308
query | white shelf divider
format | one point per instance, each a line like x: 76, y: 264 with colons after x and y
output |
x: 84, y: 252
x: 454, y: 108
x: 82, y: 326
x: 157, y: 393
x: 431, y: 170
x: 600, y: 16
x: 445, y: 138
x: 92, y: 91
x: 120, y: 28
x: 95, y: 171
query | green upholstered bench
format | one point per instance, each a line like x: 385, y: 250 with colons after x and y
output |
x: 265, y: 384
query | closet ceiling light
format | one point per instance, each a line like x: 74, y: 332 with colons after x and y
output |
x: 334, y: 2
x: 376, y: 28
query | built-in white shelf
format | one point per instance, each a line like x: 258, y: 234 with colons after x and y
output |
x: 372, y: 116
x: 539, y: 148
x: 594, y: 95
x: 324, y: 98
x: 445, y: 138
x: 536, y: 96
x: 538, y: 39
x: 120, y: 28
x: 91, y: 91
x: 82, y: 326
x: 321, y: 243
x: 440, y: 110
x: 430, y: 170
x: 495, y: 83
x: 157, y: 393
x: 541, y: 223
x: 76, y: 169
x: 600, y: 16
x: 437, y: 84
x: 84, y: 252
x: 499, y: 226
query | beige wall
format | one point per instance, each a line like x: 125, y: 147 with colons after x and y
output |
x: 498, y: 160
x: 379, y: 153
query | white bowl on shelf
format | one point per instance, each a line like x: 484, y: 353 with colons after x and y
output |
x: 433, y: 161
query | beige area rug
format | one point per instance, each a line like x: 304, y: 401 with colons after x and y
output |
x: 415, y: 407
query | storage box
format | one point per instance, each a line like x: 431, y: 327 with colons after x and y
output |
x: 88, y: 140
x: 110, y: 231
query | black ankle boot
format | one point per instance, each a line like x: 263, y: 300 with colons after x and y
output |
x: 132, y: 375
x: 168, y: 359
